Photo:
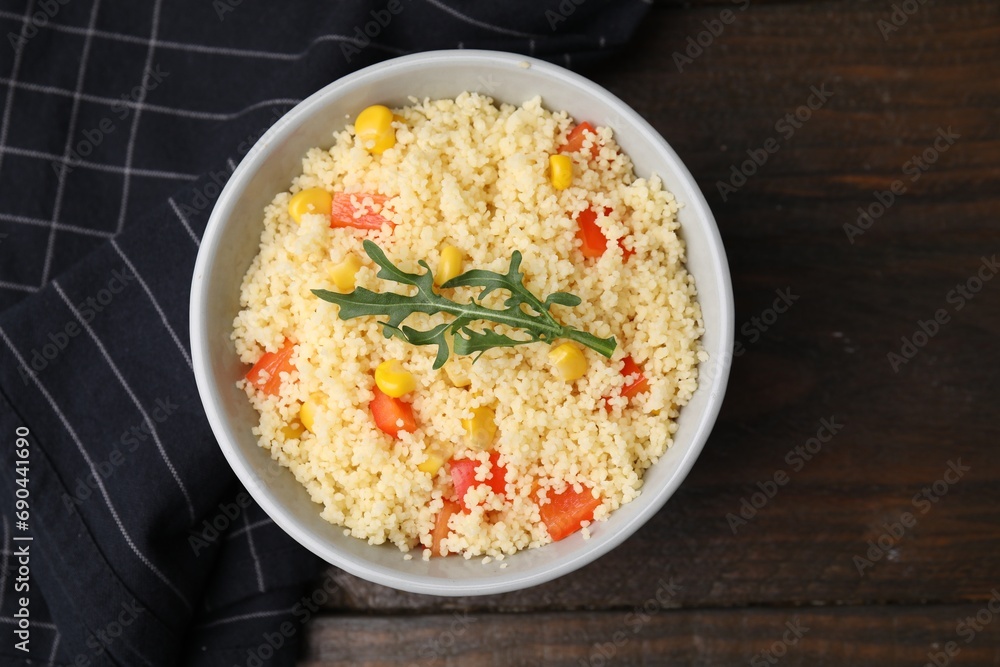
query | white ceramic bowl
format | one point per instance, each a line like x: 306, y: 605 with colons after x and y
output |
x: 230, y: 243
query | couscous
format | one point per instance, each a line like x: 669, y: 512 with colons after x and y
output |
x: 470, y: 327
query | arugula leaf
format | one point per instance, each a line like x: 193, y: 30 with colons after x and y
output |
x: 429, y: 337
x: 471, y: 341
x: 522, y: 309
x: 563, y: 299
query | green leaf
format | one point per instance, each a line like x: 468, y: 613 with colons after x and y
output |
x: 388, y: 271
x: 563, y: 299
x: 363, y: 302
x: 435, y: 336
x: 538, y: 324
x: 469, y: 341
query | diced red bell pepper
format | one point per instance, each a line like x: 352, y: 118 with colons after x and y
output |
x: 575, y: 138
x: 343, y: 210
x: 463, y: 476
x: 387, y: 411
x: 594, y: 243
x: 632, y: 387
x: 265, y: 374
x: 592, y: 239
x: 441, y: 530
x: 565, y: 511
x: 637, y: 385
x: 626, y: 253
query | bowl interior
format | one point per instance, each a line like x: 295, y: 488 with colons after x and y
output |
x: 231, y: 242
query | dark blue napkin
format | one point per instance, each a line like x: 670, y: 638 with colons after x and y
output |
x: 126, y: 538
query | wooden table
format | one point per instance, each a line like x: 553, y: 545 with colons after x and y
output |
x: 851, y: 561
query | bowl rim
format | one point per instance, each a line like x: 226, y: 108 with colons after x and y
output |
x: 208, y: 392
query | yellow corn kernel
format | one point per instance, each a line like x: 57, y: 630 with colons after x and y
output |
x: 568, y: 361
x: 482, y: 428
x: 344, y: 273
x: 431, y: 464
x: 373, y: 128
x: 307, y: 413
x: 393, y: 379
x: 560, y: 171
x: 449, y: 266
x: 292, y: 430
x: 313, y: 200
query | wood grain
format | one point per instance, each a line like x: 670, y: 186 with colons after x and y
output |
x: 809, y: 637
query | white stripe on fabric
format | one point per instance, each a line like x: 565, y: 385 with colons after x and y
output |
x: 6, y: 558
x: 273, y: 55
x: 18, y: 287
x: 93, y: 471
x: 130, y: 148
x: 478, y: 23
x: 113, y: 169
x: 253, y: 552
x: 255, y: 524
x: 229, y: 115
x: 184, y: 221
x: 156, y: 304
x: 55, y: 647
x: 244, y: 617
x: 155, y: 108
x: 61, y: 226
x: 212, y: 50
x: 39, y: 624
x: 121, y: 379
x: 14, y: 70
x: 81, y: 73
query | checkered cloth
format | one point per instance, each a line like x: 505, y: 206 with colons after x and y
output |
x: 133, y: 543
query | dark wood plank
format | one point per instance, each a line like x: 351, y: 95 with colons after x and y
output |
x: 877, y: 636
x: 827, y: 356
x: 941, y: 68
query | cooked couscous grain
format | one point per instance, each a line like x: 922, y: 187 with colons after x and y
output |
x: 473, y: 175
